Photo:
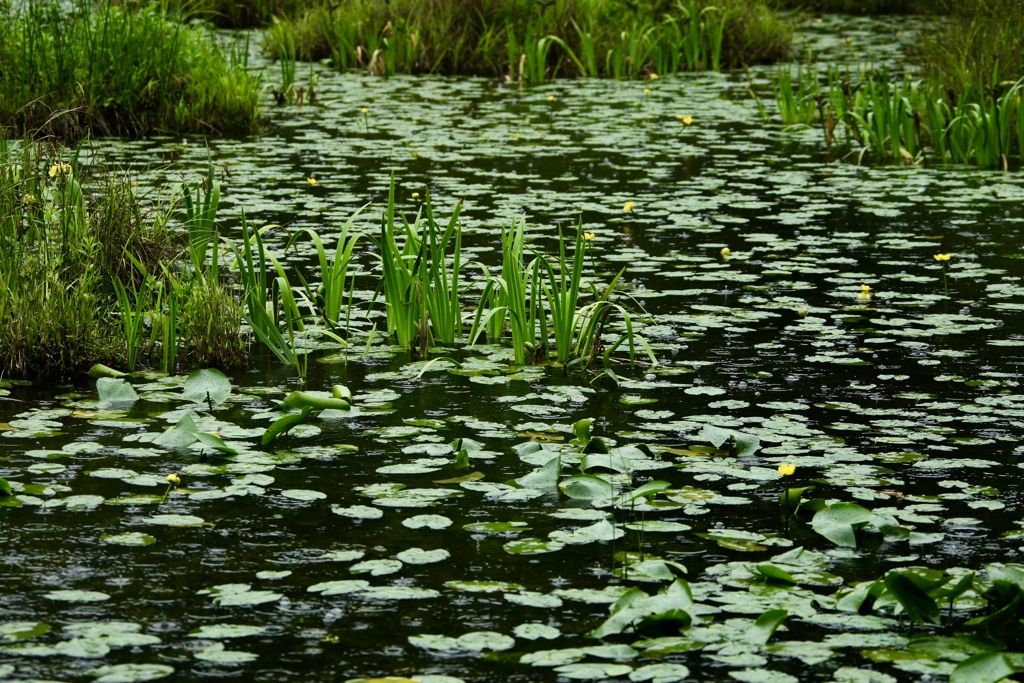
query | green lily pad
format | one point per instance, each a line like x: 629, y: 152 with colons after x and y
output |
x: 421, y: 556
x: 221, y: 631
x: 303, y: 494
x: 176, y: 520
x: 76, y: 596
x: 216, y: 653
x: 129, y: 538
x: 427, y: 522
x: 21, y: 630
x: 207, y: 384
x: 130, y: 673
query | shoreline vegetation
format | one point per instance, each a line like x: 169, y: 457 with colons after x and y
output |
x: 79, y: 256
x: 89, y: 277
x: 118, y: 70
x: 585, y: 38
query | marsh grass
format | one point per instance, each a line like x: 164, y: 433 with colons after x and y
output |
x: 976, y: 49
x: 556, y: 39
x: 901, y: 120
x: 49, y: 274
x: 420, y: 279
x: 88, y: 274
x: 63, y: 72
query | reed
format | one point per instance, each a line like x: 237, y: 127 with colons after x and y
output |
x: 899, y: 120
x: 513, y: 300
x: 261, y: 292
x: 421, y: 289
x: 333, y: 271
x: 799, y: 105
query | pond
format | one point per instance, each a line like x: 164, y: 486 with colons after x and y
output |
x: 798, y: 314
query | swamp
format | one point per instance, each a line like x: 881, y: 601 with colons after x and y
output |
x: 676, y: 350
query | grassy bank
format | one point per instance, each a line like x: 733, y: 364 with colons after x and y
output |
x: 976, y: 48
x: 87, y: 275
x: 121, y: 70
x: 559, y: 39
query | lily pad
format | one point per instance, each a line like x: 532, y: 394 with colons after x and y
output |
x: 129, y: 538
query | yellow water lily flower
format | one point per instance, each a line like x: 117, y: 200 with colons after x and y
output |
x: 588, y: 236
x: 647, y: 91
x: 551, y: 98
x: 364, y: 110
x: 415, y: 195
x: 311, y: 181
x: 687, y: 120
x: 628, y: 206
x: 865, y: 292
x: 786, y: 469
x: 61, y: 168
x: 726, y: 252
x: 174, y: 479
x: 943, y: 257
x: 654, y: 76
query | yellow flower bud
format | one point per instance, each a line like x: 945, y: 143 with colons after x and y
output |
x: 628, y: 206
x: 588, y: 236
x: 311, y: 181
x: 174, y: 479
x: 726, y: 252
x: 786, y: 469
x: 943, y: 257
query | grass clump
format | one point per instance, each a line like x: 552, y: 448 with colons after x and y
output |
x: 240, y: 13
x: 564, y: 38
x: 86, y: 279
x: 899, y: 120
x: 123, y: 69
x: 977, y: 48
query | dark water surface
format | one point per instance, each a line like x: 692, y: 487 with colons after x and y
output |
x: 903, y: 398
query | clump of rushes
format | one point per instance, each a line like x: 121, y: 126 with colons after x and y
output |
x: 62, y: 72
x: 572, y: 38
x: 898, y: 120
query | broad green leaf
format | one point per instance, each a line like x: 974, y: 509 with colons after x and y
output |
x: 284, y: 424
x: 919, y: 606
x: 649, y: 489
x: 215, y: 442
x: 586, y: 487
x: 773, y: 573
x: 763, y: 629
x: 207, y: 384
x: 986, y: 667
x: 115, y: 391
x: 181, y: 434
x: 546, y: 477
x: 838, y: 522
